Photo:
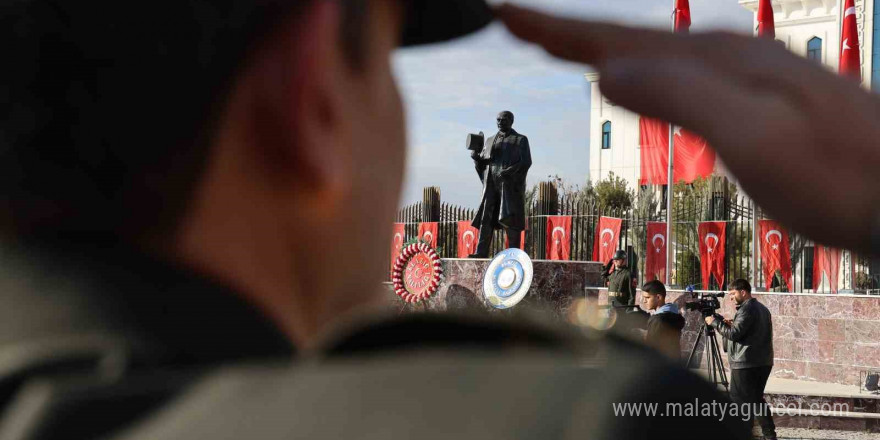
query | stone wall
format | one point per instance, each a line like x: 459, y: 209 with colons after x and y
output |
x: 824, y: 338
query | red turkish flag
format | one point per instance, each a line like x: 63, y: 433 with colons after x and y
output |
x: 428, y: 233
x: 826, y: 260
x: 682, y: 15
x: 522, y: 241
x: 398, y: 237
x: 693, y: 156
x: 655, y: 254
x: 775, y: 253
x: 467, y: 239
x: 712, y: 248
x: 559, y: 237
x: 850, y: 63
x: 766, y: 23
x: 607, y: 238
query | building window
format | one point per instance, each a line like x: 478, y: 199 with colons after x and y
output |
x: 606, y: 135
x: 814, y: 49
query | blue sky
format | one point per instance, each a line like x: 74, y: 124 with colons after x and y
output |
x: 454, y: 89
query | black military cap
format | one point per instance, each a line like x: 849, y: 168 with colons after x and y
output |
x: 433, y: 21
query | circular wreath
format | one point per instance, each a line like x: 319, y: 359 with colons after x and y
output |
x: 416, y: 273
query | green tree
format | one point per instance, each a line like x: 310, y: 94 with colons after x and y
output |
x: 613, y: 194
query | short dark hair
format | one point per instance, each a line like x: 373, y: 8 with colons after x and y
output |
x: 111, y: 113
x: 654, y: 287
x: 741, y: 284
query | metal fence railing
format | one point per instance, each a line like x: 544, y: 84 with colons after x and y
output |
x: 688, y: 211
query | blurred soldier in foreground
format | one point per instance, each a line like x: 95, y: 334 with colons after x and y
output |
x: 196, y: 193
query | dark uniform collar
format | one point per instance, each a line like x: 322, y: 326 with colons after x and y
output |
x: 166, y: 314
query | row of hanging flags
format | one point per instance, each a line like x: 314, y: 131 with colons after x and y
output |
x: 774, y: 242
x: 467, y: 238
x: 693, y: 158
x: 692, y: 155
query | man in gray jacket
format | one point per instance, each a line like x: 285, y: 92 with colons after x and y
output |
x: 750, y: 350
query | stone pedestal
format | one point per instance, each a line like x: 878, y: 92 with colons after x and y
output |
x: 554, y: 286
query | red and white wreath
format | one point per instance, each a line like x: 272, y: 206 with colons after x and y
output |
x: 416, y: 274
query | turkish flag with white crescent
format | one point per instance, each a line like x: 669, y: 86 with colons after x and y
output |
x: 850, y: 62
x: 522, y: 241
x: 775, y: 253
x: 766, y: 22
x: 607, y: 238
x: 713, y: 238
x: 398, y: 238
x: 559, y: 237
x: 467, y: 239
x: 826, y: 260
x: 655, y: 254
x: 693, y: 156
x: 428, y: 233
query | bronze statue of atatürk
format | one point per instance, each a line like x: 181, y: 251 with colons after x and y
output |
x: 502, y: 163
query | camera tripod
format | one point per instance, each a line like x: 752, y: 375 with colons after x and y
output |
x: 712, y: 355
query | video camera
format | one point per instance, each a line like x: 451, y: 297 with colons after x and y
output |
x: 706, y: 303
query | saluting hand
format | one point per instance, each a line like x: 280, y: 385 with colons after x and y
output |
x: 756, y: 103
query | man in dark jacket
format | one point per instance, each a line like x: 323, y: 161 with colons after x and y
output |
x: 665, y: 324
x: 502, y: 166
x: 750, y: 351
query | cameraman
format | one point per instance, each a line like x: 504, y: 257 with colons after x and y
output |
x: 620, y: 282
x: 666, y: 323
x: 750, y: 351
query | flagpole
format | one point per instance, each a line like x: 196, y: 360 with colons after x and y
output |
x: 755, y: 245
x: 670, y: 188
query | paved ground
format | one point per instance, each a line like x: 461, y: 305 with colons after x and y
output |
x: 817, y: 434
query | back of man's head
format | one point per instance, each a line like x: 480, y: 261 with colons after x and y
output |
x: 111, y: 111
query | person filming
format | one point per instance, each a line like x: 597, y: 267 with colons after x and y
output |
x: 749, y: 339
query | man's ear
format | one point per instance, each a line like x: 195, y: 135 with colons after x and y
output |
x: 299, y: 122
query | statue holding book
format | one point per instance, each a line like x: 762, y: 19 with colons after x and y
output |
x: 502, y: 162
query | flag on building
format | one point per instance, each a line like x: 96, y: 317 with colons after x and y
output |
x: 682, y: 16
x: 559, y: 237
x: 713, y: 238
x: 692, y: 155
x: 606, y: 239
x: 850, y: 63
x: 428, y: 233
x: 775, y: 252
x: 467, y: 239
x: 766, y: 23
x: 655, y: 253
